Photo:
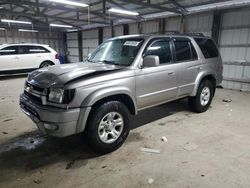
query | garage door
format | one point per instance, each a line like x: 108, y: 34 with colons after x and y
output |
x: 72, y: 47
x: 89, y: 41
x: 235, y: 49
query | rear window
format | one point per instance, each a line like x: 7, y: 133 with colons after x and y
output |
x: 207, y: 47
x: 32, y: 49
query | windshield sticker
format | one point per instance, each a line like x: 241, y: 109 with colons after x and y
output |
x: 131, y: 43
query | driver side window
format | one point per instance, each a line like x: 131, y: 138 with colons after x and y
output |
x: 162, y: 49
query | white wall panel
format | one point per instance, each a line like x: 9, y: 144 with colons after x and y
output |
x: 72, y: 47
x: 234, y: 47
x: 150, y: 27
x: 89, y: 41
x: 54, y: 39
x: 199, y: 23
x: 118, y: 30
x: 173, y: 24
x: 133, y: 28
x: 107, y: 33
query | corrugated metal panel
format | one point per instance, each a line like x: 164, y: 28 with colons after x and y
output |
x: 54, y: 39
x: 150, y: 27
x: 173, y: 24
x: 72, y: 47
x: 106, y: 33
x: 235, y: 49
x: 118, y: 30
x: 199, y: 23
x: 89, y: 41
x: 133, y: 28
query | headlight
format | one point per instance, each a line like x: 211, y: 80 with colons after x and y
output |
x: 58, y: 95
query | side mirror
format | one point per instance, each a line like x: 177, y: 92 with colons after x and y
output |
x: 151, y: 61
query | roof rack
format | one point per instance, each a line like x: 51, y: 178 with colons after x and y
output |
x: 172, y: 32
x: 196, y: 34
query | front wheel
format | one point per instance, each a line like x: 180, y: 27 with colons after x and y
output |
x: 202, y: 100
x: 108, y: 126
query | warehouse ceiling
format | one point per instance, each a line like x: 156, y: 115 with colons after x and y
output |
x: 44, y: 12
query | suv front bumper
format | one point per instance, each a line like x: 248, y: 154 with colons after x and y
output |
x: 52, y: 121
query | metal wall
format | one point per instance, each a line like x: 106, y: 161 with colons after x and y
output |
x: 89, y: 41
x: 72, y: 47
x: 107, y: 33
x: 199, y: 23
x: 150, y: 27
x: 54, y: 39
x: 235, y: 49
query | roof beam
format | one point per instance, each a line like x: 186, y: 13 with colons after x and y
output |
x: 155, y: 6
x: 178, y: 5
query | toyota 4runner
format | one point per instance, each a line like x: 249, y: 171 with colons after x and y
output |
x: 121, y: 77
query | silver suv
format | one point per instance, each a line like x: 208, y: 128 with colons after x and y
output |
x: 121, y: 77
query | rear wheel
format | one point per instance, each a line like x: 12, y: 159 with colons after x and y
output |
x: 108, y: 126
x: 46, y: 64
x: 202, y: 100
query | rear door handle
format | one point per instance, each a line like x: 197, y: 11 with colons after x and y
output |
x: 170, y: 73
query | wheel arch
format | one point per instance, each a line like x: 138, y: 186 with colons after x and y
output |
x: 51, y: 62
x: 99, y: 97
x: 205, y: 76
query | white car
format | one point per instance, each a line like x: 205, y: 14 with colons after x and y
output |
x: 25, y: 57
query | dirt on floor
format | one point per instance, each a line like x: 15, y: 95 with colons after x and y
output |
x: 199, y: 150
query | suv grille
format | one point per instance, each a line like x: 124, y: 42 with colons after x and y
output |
x: 33, y: 92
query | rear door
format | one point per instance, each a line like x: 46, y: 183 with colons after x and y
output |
x: 29, y: 57
x: 189, y: 66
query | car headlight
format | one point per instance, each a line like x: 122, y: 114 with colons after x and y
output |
x: 56, y: 95
x: 61, y: 96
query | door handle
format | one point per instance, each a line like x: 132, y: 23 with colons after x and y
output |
x: 170, y: 73
x: 16, y: 57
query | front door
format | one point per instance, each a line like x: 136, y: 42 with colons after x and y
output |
x: 155, y: 85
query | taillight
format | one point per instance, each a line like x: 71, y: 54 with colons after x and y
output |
x: 56, y: 56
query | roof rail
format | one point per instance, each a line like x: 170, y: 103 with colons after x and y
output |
x: 172, y: 32
x: 196, y: 34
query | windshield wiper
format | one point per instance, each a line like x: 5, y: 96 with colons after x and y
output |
x: 91, y: 61
x: 110, y: 62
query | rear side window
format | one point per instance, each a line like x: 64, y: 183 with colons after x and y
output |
x: 32, y: 49
x: 207, y: 47
x: 162, y: 49
x: 11, y: 50
x: 182, y: 50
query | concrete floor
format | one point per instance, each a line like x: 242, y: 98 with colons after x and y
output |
x: 203, y: 150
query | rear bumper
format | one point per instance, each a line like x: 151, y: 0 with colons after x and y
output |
x: 49, y: 120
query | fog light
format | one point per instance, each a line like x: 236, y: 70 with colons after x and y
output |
x: 51, y: 126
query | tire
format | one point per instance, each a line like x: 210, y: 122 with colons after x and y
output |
x: 201, y: 102
x: 46, y: 64
x: 101, y: 134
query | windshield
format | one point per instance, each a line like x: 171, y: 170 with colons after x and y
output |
x: 117, y: 52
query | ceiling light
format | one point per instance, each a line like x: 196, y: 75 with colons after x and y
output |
x: 58, y: 25
x: 70, y: 3
x: 26, y: 30
x: 15, y: 21
x: 120, y: 11
x: 2, y: 29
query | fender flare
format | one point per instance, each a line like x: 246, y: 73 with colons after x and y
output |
x: 96, y: 96
x: 198, y: 80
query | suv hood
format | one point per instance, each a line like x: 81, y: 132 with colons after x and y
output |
x: 59, y: 75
